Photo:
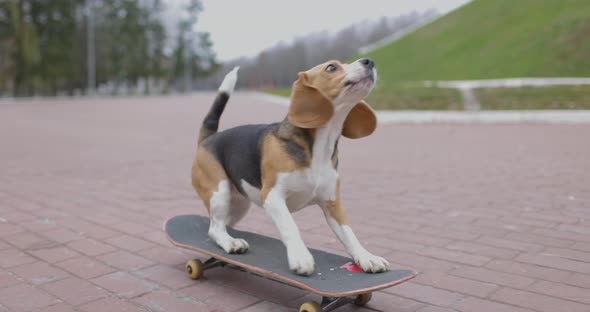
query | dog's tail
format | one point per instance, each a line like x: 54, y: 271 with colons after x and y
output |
x: 211, y: 121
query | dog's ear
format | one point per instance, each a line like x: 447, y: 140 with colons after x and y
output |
x: 360, y: 122
x: 308, y: 108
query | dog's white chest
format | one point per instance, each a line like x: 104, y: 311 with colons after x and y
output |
x: 307, y: 187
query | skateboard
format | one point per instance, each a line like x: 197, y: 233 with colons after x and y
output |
x: 336, y: 278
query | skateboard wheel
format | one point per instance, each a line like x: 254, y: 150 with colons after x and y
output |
x: 362, y: 299
x: 194, y: 269
x: 310, y: 306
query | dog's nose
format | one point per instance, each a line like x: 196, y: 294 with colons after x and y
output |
x: 367, y: 62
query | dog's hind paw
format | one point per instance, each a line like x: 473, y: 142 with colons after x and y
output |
x: 372, y: 264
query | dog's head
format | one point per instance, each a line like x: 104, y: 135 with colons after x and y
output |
x: 333, y: 86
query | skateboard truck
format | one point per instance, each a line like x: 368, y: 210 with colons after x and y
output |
x: 195, y: 267
x: 329, y: 303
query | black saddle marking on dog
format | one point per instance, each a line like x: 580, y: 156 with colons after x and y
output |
x: 238, y: 150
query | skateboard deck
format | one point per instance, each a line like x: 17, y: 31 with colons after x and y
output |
x: 335, y: 275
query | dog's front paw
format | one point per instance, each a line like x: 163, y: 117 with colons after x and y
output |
x: 301, y: 261
x: 372, y: 264
x: 236, y: 246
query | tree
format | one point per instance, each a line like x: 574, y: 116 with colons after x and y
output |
x: 56, y: 25
x: 22, y: 45
x: 193, y: 53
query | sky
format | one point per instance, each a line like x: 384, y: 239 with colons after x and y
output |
x: 246, y: 27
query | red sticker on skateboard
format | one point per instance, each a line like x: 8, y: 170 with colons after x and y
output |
x: 351, y: 267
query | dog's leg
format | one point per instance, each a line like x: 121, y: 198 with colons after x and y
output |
x: 239, y: 207
x: 300, y: 259
x: 338, y: 221
x: 221, y: 216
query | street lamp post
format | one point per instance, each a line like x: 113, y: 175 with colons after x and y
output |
x: 90, y: 48
x: 188, y: 64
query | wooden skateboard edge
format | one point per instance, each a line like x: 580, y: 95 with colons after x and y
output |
x: 279, y: 277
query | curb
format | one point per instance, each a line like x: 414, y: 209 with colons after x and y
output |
x: 483, y: 117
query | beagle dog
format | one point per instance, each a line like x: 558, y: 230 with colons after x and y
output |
x: 286, y: 166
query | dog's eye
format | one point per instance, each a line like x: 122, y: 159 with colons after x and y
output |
x: 331, y: 68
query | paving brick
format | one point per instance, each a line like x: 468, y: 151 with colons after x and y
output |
x: 54, y: 254
x: 7, y: 229
x: 573, y: 293
x: 103, y: 219
x: 62, y: 235
x: 528, y: 221
x: 494, y: 277
x: 436, y: 309
x: 541, y: 240
x: 129, y: 243
x: 25, y: 297
x: 4, y: 245
x: 581, y: 246
x: 157, y: 237
x: 504, y: 224
x: 166, y: 255
x: 170, y: 277
x: 536, y: 301
x: 266, y: 306
x: 422, y: 263
x: 39, y: 273
x: 530, y: 270
x: 8, y: 279
x: 553, y: 261
x: 447, y: 233
x: 91, y: 230
x: 454, y: 256
x: 510, y: 244
x: 219, y: 297
x: 479, y: 249
x: 478, y: 229
x: 456, y: 284
x: 90, y: 247
x: 480, y: 305
x: 18, y: 216
x: 580, y: 280
x: 28, y: 240
x: 40, y: 225
x: 563, y: 235
x: 256, y: 286
x: 568, y: 254
x: 131, y: 228
x: 111, y: 304
x: 60, y: 307
x: 74, y: 291
x: 85, y: 267
x: 166, y: 301
x: 124, y: 284
x: 419, y: 238
x: 391, y: 243
x: 427, y: 294
x: 550, y: 217
x: 13, y: 257
x: 48, y: 213
x: 124, y: 260
x: 382, y: 301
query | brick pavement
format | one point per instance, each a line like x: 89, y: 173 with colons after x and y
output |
x: 495, y: 217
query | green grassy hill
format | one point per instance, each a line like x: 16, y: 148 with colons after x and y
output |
x: 494, y: 39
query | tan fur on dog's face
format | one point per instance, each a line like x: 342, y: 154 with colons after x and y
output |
x: 328, y: 83
x: 319, y: 90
